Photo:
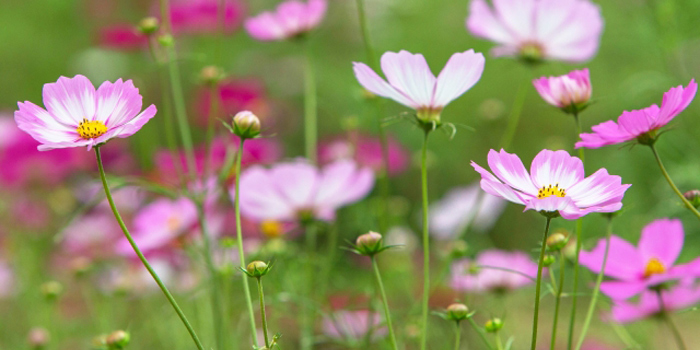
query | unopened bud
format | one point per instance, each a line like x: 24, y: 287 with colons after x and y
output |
x: 51, y: 290
x: 257, y: 269
x: 211, y: 75
x: 548, y: 260
x: 493, y: 325
x: 118, y: 340
x: 457, y: 312
x: 693, y: 196
x: 556, y: 241
x: 166, y: 40
x: 246, y: 125
x: 369, y: 243
x: 38, y: 338
x: 149, y: 25
x: 458, y: 249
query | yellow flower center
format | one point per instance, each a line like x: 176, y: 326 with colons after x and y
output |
x: 547, y: 191
x: 654, y: 267
x: 271, y: 228
x: 90, y: 129
x: 173, y: 223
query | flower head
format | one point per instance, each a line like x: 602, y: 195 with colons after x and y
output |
x: 410, y: 82
x: 464, y: 207
x: 569, y: 92
x: 78, y: 115
x: 555, y: 185
x: 640, y: 124
x: 291, y: 19
x: 493, y: 270
x: 681, y: 296
x: 648, y: 265
x: 202, y: 16
x: 567, y: 30
x: 367, y: 151
x: 353, y: 326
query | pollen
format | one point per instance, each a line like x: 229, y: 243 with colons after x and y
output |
x: 548, y: 191
x: 654, y: 267
x: 90, y: 129
x: 271, y: 228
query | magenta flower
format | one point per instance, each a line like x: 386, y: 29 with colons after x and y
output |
x: 567, y: 30
x: 202, y: 16
x: 641, y: 124
x: 92, y: 235
x: 464, y: 207
x: 411, y: 83
x: 76, y: 115
x: 555, y: 184
x: 650, y: 264
x: 353, y: 326
x: 298, y: 191
x: 493, y: 270
x: 235, y: 96
x: 291, y: 19
x: 123, y: 37
x: 366, y: 151
x: 570, y: 92
x: 683, y: 295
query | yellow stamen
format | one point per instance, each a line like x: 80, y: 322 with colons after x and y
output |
x: 271, y: 228
x: 173, y: 223
x: 91, y: 129
x: 547, y: 191
x: 654, y: 267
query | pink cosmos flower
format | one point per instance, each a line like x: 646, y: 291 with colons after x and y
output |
x: 463, y: 207
x: 122, y: 37
x: 76, y: 115
x: 641, y: 124
x: 366, y: 151
x: 650, y: 264
x: 202, y: 16
x: 412, y: 84
x: 298, y: 191
x: 572, y: 90
x: 567, y: 30
x: 291, y: 18
x: 353, y: 326
x: 683, y: 295
x: 92, y: 235
x: 555, y: 184
x: 485, y: 274
x: 235, y: 96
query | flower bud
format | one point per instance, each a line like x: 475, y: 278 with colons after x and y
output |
x: 38, y: 338
x: 570, y: 92
x: 556, y: 241
x: 493, y: 325
x: 51, y: 290
x: 369, y: 243
x: 459, y: 249
x: 166, y: 40
x: 548, y: 260
x: 118, y: 340
x: 211, y: 75
x: 257, y: 269
x: 149, y: 25
x: 246, y: 125
x: 457, y: 312
x: 693, y: 196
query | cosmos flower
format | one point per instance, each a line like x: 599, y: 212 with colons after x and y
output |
x: 464, y: 207
x: 76, y: 115
x: 353, y: 326
x: 291, y: 19
x: 485, y: 273
x: 123, y: 37
x: 366, y: 151
x: 202, y: 16
x: 683, y: 295
x: 298, y: 191
x: 567, y: 30
x: 650, y: 264
x: 411, y: 83
x: 235, y: 95
x: 641, y: 124
x: 554, y: 186
x: 570, y: 92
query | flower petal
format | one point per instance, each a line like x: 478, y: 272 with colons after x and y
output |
x: 510, y: 169
x: 599, y: 189
x: 117, y: 103
x: 375, y: 84
x: 410, y: 74
x: 70, y: 100
x: 259, y: 200
x: 482, y: 22
x: 624, y: 261
x: 341, y: 183
x: 461, y: 72
x: 556, y: 168
x: 662, y: 239
x: 621, y: 290
x: 43, y: 127
x: 491, y: 185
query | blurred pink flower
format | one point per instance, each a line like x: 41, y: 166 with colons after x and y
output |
x: 80, y: 116
x: 572, y: 90
x: 298, y: 191
x: 7, y: 280
x: 641, y: 124
x: 464, y: 207
x: 412, y: 84
x: 353, y: 326
x: 556, y: 184
x: 291, y: 18
x: 202, y: 16
x: 650, y: 264
x: 486, y: 274
x: 366, y: 151
x: 123, y: 37
x: 567, y: 30
x: 681, y: 296
x: 235, y: 96
x: 92, y: 235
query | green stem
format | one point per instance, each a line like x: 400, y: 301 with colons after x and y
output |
x: 671, y: 325
x: 458, y: 335
x: 310, y: 107
x: 213, y: 112
x: 385, y: 302
x: 364, y: 28
x: 671, y: 183
x: 515, y: 113
x: 216, y: 309
x: 560, y: 289
x: 579, y: 230
x: 426, y: 242
x: 330, y: 255
x: 153, y: 273
x: 262, y: 312
x: 481, y: 332
x: 596, y: 289
x: 538, y: 286
x: 308, y: 315
x: 239, y: 238
x: 499, y: 345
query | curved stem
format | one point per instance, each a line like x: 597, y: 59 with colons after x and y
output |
x: 239, y: 239
x: 560, y: 289
x: 458, y: 334
x: 579, y: 230
x: 387, y: 314
x: 538, y: 286
x: 515, y: 113
x: 262, y: 312
x: 596, y: 289
x: 310, y: 106
x: 138, y: 252
x: 481, y: 332
x: 671, y: 183
x: 426, y: 242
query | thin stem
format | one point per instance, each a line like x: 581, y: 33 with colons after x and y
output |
x: 669, y: 322
x: 262, y: 312
x: 362, y: 17
x: 385, y: 302
x: 310, y: 106
x: 216, y: 309
x: 330, y: 260
x: 458, y: 335
x: 306, y: 341
x: 426, y: 242
x: 515, y: 113
x: 596, y: 289
x: 672, y: 184
x: 213, y: 112
x: 481, y: 332
x: 499, y: 345
x: 239, y: 238
x: 153, y: 273
x: 538, y: 286
x: 560, y: 289
x: 579, y: 230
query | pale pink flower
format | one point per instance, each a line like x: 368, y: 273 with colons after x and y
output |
x: 92, y: 235
x: 7, y: 280
x: 641, y: 124
x: 411, y: 83
x: 366, y: 151
x: 78, y: 115
x: 202, y: 16
x: 570, y: 91
x: 298, y: 191
x: 291, y: 18
x: 683, y: 295
x: 650, y: 264
x: 353, y: 326
x: 493, y: 270
x: 464, y: 207
x: 567, y: 30
x: 555, y: 184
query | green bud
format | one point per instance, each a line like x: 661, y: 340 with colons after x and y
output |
x: 257, y: 269
x: 459, y: 249
x: 166, y: 40
x: 693, y: 196
x: 246, y: 125
x: 211, y: 75
x: 118, y: 340
x: 51, y: 290
x: 493, y: 325
x: 457, y: 312
x: 556, y: 241
x: 149, y: 25
x: 548, y: 260
x: 369, y: 243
